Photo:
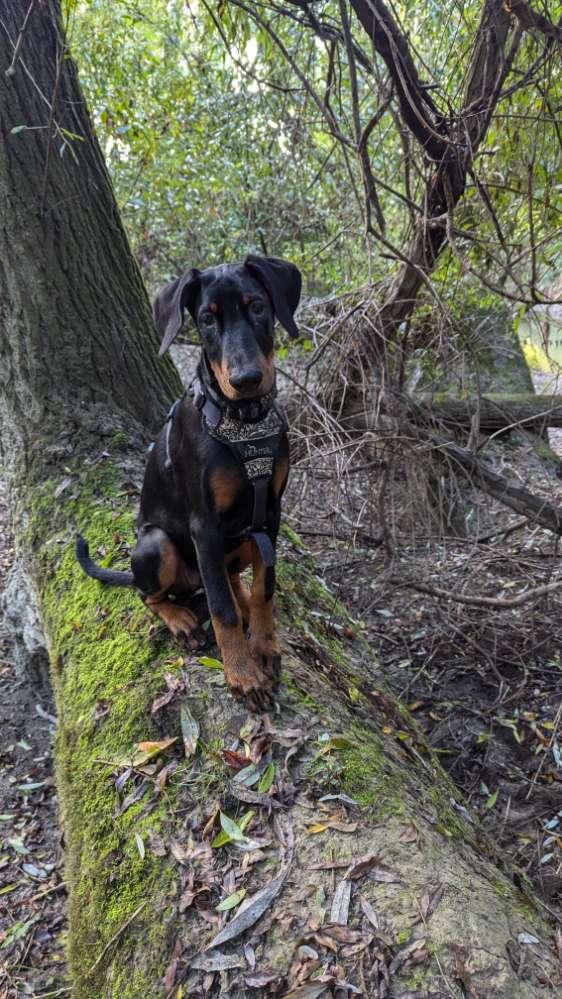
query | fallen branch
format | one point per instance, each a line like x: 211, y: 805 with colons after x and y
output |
x: 502, y: 603
x: 483, y: 477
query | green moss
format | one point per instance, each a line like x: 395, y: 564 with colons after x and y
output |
x: 107, y: 667
x: 512, y: 899
x: 119, y: 441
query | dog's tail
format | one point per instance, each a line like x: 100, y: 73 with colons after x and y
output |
x: 111, y: 577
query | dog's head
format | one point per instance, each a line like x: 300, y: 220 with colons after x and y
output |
x: 234, y: 308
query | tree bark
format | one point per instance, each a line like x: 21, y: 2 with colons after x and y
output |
x: 452, y: 147
x: 432, y: 911
x: 78, y: 341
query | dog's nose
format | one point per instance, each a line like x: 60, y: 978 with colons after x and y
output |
x: 247, y: 379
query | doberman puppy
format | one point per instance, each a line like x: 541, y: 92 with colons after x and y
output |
x: 211, y: 497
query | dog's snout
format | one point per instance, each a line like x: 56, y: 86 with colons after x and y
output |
x: 246, y: 379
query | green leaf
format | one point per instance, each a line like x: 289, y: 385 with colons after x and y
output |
x: 249, y: 775
x: 140, y: 845
x: 211, y: 663
x: 221, y: 839
x: 18, y: 845
x: 268, y: 777
x: 244, y: 821
x: 18, y: 128
x: 491, y: 800
x: 232, y: 901
x: 18, y: 931
x: 231, y: 828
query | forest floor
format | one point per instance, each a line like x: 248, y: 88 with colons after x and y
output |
x: 32, y: 896
x: 484, y: 685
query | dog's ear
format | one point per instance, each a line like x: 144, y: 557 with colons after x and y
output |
x: 282, y: 281
x: 170, y: 303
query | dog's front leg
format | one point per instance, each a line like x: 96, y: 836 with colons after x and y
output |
x: 243, y: 669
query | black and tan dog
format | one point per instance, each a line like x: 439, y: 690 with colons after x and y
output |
x: 211, y: 496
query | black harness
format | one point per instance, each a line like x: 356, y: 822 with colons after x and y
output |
x: 252, y: 430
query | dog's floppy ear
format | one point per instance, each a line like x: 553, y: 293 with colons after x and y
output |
x: 170, y: 303
x: 282, y: 281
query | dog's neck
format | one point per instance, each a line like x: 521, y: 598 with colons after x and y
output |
x: 249, y: 410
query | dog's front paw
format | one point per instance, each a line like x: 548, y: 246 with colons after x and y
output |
x: 266, y: 652
x: 253, y: 680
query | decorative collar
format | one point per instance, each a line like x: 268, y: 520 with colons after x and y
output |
x: 205, y: 389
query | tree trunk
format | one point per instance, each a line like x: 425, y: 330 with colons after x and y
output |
x: 431, y: 912
x: 450, y: 146
x: 78, y: 340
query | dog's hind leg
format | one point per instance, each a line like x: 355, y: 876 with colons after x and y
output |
x: 159, y: 570
x: 263, y: 641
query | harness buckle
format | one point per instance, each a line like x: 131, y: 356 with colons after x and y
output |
x: 198, y: 396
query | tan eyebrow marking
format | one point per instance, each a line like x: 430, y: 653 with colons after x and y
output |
x: 246, y: 299
x: 213, y: 307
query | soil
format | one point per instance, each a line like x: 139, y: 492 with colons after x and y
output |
x: 32, y: 895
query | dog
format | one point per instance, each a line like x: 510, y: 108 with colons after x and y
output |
x: 210, y: 503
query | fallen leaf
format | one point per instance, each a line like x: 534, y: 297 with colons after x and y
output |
x: 250, y: 911
x: 189, y: 731
x: 341, y: 933
x: 340, y: 904
x: 402, y: 955
x: 248, y: 775
x: 360, y: 867
x: 132, y: 798
x: 140, y: 845
x: 243, y: 793
x: 232, y: 901
x: 8, y: 888
x: 18, y: 845
x: 211, y: 663
x: 147, y: 750
x: 33, y: 871
x: 379, y: 874
x: 369, y: 912
x: 216, y: 962
x: 333, y: 822
x: 170, y: 974
x: 262, y: 979
x: 63, y: 484
x: 310, y: 991
x: 267, y: 779
x: 235, y: 760
x: 430, y: 900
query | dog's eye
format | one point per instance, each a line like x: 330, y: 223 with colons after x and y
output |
x: 257, y: 307
x: 207, y: 319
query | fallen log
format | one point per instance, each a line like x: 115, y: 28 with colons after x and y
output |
x: 494, y: 412
x: 330, y: 819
